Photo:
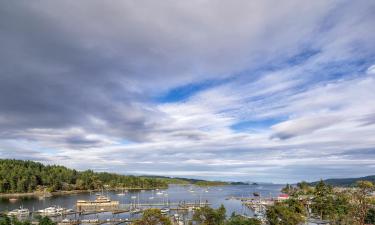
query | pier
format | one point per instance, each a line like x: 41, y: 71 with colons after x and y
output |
x: 76, y: 217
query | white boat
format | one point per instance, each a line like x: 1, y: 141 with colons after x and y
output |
x: 164, y: 210
x: 53, y: 210
x: 135, y: 211
x: 19, y: 212
x: 121, y: 194
x: 66, y: 220
x: 48, y: 211
x: 159, y: 193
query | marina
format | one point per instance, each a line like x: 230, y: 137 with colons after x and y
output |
x: 113, y: 207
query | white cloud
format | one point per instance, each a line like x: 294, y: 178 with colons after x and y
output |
x: 371, y: 70
x: 90, y: 84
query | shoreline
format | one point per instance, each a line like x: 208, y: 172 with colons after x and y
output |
x: 72, y: 192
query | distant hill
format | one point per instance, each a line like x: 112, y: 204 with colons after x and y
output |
x: 181, y: 180
x: 19, y: 176
x: 346, y: 182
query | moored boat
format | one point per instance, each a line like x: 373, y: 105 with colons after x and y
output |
x: 19, y: 212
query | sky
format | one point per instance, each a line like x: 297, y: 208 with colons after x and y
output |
x: 266, y: 91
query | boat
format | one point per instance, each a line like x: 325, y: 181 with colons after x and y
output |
x: 48, y: 211
x: 121, y: 194
x: 102, y: 199
x: 13, y: 199
x: 90, y: 221
x: 164, y: 211
x: 19, y: 212
x: 53, y: 210
x: 135, y: 211
x: 100, y: 202
x: 159, y: 193
x: 66, y: 220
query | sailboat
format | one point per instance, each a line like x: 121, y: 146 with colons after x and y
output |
x: 152, y: 196
x: 122, y: 193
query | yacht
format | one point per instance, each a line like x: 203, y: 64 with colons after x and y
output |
x: 53, y: 210
x: 121, y: 194
x: 100, y: 201
x: 135, y: 211
x: 48, y: 211
x: 19, y: 212
x: 164, y: 211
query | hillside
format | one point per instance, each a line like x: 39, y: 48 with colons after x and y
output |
x: 199, y: 182
x: 346, y: 182
x: 18, y: 176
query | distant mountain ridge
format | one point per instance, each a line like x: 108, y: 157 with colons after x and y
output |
x: 182, y: 180
x: 346, y: 182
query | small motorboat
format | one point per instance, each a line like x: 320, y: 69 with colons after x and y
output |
x: 164, y: 210
x: 13, y: 199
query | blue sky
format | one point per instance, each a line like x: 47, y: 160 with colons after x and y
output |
x: 238, y: 90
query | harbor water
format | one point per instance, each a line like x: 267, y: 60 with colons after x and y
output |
x: 216, y: 196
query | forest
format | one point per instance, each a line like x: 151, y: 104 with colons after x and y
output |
x: 19, y: 176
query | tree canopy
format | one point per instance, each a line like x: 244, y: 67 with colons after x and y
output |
x: 17, y: 176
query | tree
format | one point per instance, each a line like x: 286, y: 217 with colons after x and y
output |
x: 285, y: 213
x: 153, y: 217
x: 209, y: 216
x: 362, y: 200
x: 46, y: 221
x: 240, y: 220
x: 4, y: 220
x: 288, y: 189
x: 28, y: 176
x: 370, y: 217
x: 322, y: 203
x: 343, y: 209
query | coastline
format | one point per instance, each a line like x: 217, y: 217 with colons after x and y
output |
x: 72, y: 192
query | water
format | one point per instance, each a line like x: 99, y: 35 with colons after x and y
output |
x: 175, y: 193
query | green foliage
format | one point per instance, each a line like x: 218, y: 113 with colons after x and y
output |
x: 347, y: 182
x: 180, y: 180
x: 46, y: 221
x: 153, y: 217
x: 370, y: 217
x: 240, y: 220
x: 288, y: 189
x: 5, y: 220
x: 285, y: 214
x: 362, y: 200
x: 209, y: 216
x: 323, y: 201
x: 17, y: 176
x: 210, y: 183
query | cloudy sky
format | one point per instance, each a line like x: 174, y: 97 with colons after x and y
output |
x: 273, y: 91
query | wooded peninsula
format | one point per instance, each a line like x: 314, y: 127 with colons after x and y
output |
x: 20, y: 176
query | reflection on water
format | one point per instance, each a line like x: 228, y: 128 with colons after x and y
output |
x: 174, y: 194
